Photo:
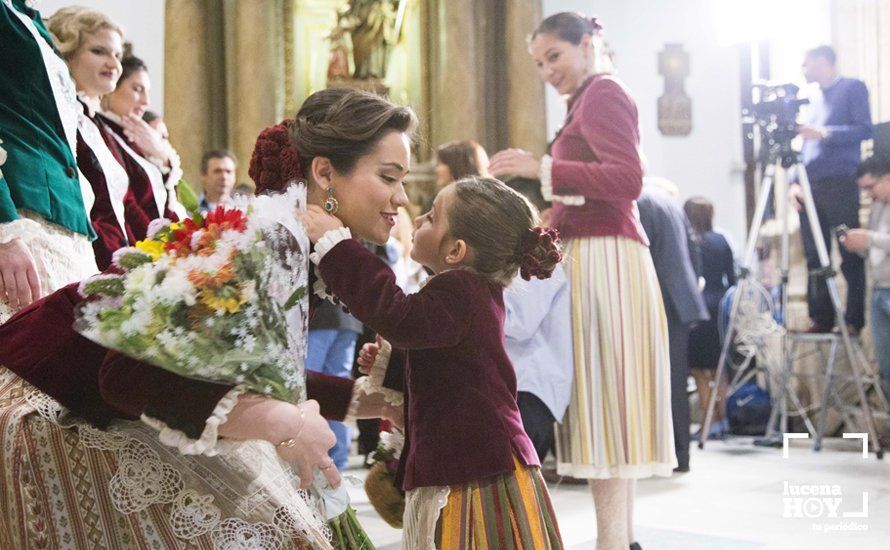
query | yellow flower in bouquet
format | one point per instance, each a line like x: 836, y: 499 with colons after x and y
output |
x: 151, y: 247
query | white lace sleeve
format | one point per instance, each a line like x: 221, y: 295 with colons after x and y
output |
x: 328, y: 241
x: 546, y: 176
x: 373, y: 383
x: 209, y: 443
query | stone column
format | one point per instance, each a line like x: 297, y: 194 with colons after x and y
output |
x: 525, y: 109
x: 482, y: 84
x: 187, y: 82
x: 254, y: 73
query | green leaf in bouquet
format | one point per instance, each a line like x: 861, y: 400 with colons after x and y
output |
x: 132, y: 260
x: 295, y: 297
x: 187, y: 197
x: 104, y: 285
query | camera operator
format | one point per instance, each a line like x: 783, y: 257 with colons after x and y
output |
x: 874, y: 179
x: 838, y: 121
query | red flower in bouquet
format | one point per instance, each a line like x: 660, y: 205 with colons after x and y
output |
x: 225, y: 218
x: 180, y: 242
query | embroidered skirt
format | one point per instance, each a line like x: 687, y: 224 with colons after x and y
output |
x: 66, y: 484
x: 507, y: 511
x: 618, y: 423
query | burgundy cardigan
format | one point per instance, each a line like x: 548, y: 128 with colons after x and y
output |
x: 461, y: 418
x: 595, y: 155
x: 40, y: 345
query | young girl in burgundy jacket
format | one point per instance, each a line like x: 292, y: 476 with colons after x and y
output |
x: 471, y: 474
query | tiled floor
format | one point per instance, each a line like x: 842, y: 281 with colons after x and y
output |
x: 732, y: 500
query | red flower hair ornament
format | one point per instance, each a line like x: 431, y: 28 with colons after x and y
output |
x: 539, y: 253
x: 274, y: 163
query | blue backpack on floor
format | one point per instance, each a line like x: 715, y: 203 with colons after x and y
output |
x: 748, y: 410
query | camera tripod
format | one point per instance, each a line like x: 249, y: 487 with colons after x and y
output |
x: 779, y: 414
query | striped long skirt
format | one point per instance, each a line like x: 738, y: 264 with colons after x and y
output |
x: 511, y: 510
x: 618, y: 423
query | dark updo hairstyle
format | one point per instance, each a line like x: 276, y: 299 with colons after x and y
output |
x: 700, y: 212
x: 463, y: 158
x: 572, y: 27
x: 500, y: 225
x: 569, y: 26
x: 344, y: 125
x: 130, y: 64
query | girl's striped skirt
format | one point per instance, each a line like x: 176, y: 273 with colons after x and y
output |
x: 618, y: 423
x: 511, y: 510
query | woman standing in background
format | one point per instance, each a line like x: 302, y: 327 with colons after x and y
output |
x: 618, y: 425
x: 718, y: 271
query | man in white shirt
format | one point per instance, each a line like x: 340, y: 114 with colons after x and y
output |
x: 538, y: 339
x: 874, y: 179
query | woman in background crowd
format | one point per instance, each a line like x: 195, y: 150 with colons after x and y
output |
x: 150, y: 160
x: 618, y: 425
x: 92, y: 45
x: 718, y: 271
x: 458, y: 159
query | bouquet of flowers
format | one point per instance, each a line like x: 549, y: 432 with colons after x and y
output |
x: 219, y: 298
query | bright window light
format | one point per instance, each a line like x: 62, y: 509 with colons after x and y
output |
x: 788, y: 21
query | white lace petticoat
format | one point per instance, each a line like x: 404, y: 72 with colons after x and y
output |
x: 60, y: 255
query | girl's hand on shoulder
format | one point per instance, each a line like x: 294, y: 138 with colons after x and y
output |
x: 366, y: 357
x: 514, y: 162
x: 318, y: 222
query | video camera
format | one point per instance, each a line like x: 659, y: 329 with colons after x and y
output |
x: 775, y: 112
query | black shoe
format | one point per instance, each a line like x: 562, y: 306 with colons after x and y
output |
x: 635, y: 546
x: 684, y: 469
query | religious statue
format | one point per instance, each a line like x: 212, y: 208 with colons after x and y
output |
x: 374, y: 27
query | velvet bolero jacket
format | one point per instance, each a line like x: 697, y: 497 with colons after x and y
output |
x: 462, y: 422
x: 40, y: 345
x: 593, y: 173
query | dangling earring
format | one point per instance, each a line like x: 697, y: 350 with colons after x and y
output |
x: 330, y: 204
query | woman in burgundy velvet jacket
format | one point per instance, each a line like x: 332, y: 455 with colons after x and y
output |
x: 91, y: 45
x: 464, y: 440
x: 150, y: 160
x: 43, y: 361
x: 594, y: 175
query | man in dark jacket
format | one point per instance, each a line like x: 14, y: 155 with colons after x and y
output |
x: 669, y: 243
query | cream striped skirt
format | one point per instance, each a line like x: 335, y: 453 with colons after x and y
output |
x: 618, y: 423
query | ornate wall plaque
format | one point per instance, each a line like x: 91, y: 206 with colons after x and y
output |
x: 674, y: 106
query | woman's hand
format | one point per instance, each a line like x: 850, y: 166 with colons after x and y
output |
x: 146, y: 138
x: 299, y: 432
x: 318, y: 222
x: 309, y: 449
x: 19, y: 283
x: 514, y: 162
